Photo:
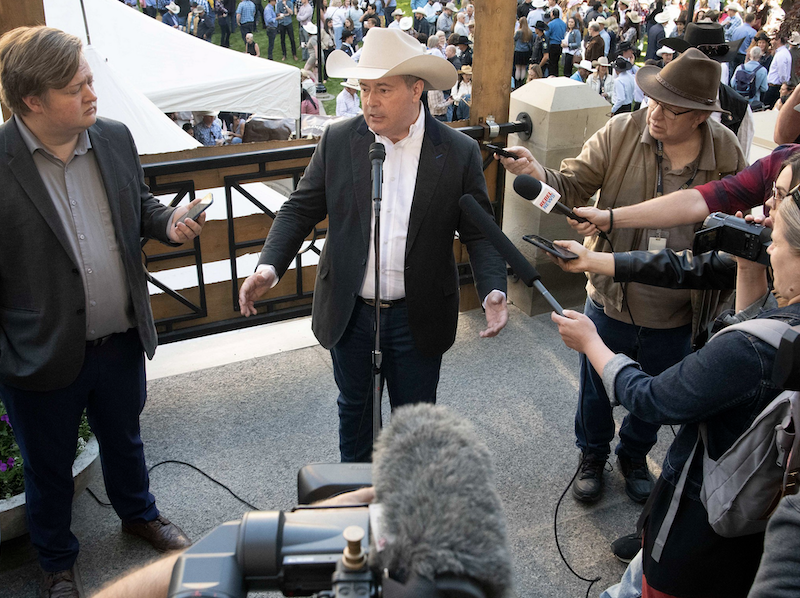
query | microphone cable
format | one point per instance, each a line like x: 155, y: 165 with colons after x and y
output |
x: 198, y: 470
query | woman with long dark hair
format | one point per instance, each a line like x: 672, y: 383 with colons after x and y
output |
x: 523, y: 39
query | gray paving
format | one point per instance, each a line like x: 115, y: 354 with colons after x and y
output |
x: 253, y: 424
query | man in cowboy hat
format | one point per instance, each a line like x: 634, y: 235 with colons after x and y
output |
x: 421, y: 25
x: 710, y: 39
x: 623, y: 99
x: 670, y: 145
x: 463, y: 44
x: 734, y: 20
x: 583, y: 72
x: 445, y: 20
x: 396, y: 16
x: 666, y: 54
x: 428, y: 168
x: 347, y: 102
x: 655, y: 34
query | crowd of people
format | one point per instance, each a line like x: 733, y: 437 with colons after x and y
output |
x: 584, y: 32
x: 645, y: 336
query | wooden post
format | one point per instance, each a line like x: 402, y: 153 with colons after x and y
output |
x: 492, y: 60
x: 16, y: 13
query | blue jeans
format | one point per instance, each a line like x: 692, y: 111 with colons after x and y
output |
x: 594, y: 421
x: 410, y: 376
x: 111, y: 387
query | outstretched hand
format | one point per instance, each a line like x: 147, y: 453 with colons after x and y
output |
x: 496, y: 314
x: 253, y: 288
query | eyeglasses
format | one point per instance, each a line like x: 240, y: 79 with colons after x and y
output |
x: 793, y: 193
x: 669, y: 113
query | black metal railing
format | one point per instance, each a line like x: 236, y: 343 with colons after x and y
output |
x: 298, y: 302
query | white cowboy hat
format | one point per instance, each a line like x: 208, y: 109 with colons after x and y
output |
x: 664, y: 50
x: 587, y: 65
x: 310, y: 28
x: 633, y: 17
x: 734, y: 6
x: 398, y: 13
x: 420, y: 11
x: 173, y: 8
x: 603, y: 61
x: 662, y: 17
x: 390, y: 52
x: 538, y: 3
x: 600, y: 21
x: 451, y: 6
x: 352, y: 83
x: 406, y: 23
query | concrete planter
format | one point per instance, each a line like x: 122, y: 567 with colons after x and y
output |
x: 12, y: 510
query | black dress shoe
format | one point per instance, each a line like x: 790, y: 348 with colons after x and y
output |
x: 626, y: 547
x: 588, y: 486
x: 162, y: 534
x: 62, y: 584
x: 638, y: 481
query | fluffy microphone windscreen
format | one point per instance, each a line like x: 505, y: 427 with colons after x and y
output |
x: 442, y: 515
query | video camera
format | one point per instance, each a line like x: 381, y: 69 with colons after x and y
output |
x: 723, y: 232
x: 309, y: 551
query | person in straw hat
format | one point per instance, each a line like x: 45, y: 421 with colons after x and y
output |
x: 428, y: 167
x: 669, y: 145
x: 655, y: 34
x: 601, y: 80
x: 584, y: 70
x: 347, y: 102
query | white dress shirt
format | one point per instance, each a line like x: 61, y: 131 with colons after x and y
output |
x: 399, y: 181
x: 347, y: 104
x: 780, y: 71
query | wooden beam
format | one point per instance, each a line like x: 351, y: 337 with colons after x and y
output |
x: 492, y: 60
x: 17, y: 13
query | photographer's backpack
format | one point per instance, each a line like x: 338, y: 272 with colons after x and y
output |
x: 745, y: 81
x: 742, y: 488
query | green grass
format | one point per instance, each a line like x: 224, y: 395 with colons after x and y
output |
x: 333, y: 85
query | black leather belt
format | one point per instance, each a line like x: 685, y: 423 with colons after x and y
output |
x: 385, y: 303
x: 98, y: 342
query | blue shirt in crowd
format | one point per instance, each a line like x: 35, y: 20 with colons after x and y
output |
x: 246, y: 11
x: 270, y: 16
x: 557, y: 29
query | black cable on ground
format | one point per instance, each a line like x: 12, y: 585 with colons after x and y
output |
x: 555, y: 533
x: 198, y: 470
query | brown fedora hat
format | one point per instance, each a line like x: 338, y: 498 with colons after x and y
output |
x: 689, y: 81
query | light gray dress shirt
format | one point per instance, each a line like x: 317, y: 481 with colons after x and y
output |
x: 79, y: 196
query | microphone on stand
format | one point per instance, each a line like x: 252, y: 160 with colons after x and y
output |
x: 521, y: 266
x: 377, y: 154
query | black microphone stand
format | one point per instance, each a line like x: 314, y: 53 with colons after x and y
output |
x: 377, y: 154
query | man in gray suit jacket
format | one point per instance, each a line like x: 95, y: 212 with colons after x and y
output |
x: 428, y: 168
x: 74, y: 306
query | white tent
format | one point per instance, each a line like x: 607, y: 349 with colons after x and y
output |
x: 177, y: 71
x: 152, y: 130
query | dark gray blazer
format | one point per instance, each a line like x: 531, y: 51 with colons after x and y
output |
x: 337, y: 184
x: 42, y: 300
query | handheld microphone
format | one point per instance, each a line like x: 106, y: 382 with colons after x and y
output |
x: 543, y: 196
x: 521, y: 266
x: 377, y: 154
x: 441, y: 515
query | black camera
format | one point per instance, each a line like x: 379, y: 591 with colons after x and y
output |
x: 309, y: 551
x: 723, y: 232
